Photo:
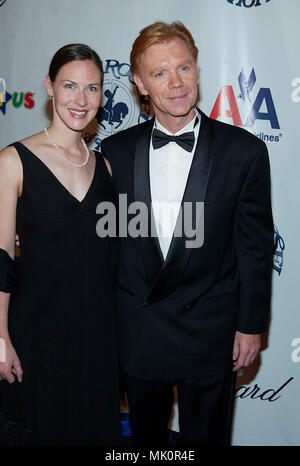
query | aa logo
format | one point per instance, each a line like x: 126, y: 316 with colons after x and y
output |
x: 246, y: 106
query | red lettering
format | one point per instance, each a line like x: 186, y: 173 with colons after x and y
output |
x: 29, y: 102
x: 226, y: 92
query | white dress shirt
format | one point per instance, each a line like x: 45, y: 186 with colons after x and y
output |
x: 169, y: 167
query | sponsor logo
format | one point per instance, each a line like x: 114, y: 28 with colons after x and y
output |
x: 247, y: 3
x: 121, y: 107
x: 256, y: 392
x: 116, y: 111
x: 248, y: 106
x: 17, y: 99
x: 295, y: 96
x: 2, y: 91
x: 2, y: 2
x: 279, y: 247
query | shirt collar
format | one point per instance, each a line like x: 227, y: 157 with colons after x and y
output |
x: 185, y: 129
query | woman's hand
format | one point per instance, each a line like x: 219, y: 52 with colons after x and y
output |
x: 11, y: 365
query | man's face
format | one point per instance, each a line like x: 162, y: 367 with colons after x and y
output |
x: 169, y: 74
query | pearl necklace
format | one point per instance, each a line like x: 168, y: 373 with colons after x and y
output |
x: 60, y: 152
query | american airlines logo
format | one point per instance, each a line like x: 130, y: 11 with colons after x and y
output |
x: 247, y: 106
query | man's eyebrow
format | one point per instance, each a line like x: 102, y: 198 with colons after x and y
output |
x: 165, y: 64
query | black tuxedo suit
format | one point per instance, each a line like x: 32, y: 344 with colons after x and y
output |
x: 177, y: 318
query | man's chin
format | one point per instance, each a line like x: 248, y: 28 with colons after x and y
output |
x: 177, y: 112
x: 187, y: 115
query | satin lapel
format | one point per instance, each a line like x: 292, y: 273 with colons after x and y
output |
x: 178, y: 254
x: 149, y: 246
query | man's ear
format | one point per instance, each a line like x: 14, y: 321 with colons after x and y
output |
x: 139, y: 82
x: 48, y: 86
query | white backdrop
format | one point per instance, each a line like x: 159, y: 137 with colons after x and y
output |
x: 250, y: 76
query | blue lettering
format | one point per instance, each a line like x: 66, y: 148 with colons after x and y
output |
x: 255, y: 114
x: 251, y: 4
x: 117, y: 69
x: 112, y: 65
x: 246, y: 4
x: 127, y: 72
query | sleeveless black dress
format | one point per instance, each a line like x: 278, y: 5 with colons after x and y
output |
x: 61, y: 319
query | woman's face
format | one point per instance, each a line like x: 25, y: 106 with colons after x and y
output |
x: 76, y: 93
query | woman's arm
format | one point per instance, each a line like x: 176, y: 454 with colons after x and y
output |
x: 10, y: 189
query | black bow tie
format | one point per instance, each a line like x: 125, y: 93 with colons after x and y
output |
x: 185, y: 140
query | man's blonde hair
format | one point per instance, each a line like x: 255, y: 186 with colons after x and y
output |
x: 157, y: 33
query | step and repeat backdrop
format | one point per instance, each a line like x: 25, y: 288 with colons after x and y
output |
x: 249, y: 77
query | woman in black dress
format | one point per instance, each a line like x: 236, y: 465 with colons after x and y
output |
x: 58, y: 361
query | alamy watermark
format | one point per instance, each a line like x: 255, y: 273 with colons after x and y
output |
x: 138, y: 220
x: 296, y: 352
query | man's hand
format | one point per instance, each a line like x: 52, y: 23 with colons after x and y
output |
x: 245, y: 349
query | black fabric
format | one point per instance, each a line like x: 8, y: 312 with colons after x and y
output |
x: 150, y: 405
x: 177, y: 318
x: 204, y: 405
x: 8, y: 273
x: 61, y: 319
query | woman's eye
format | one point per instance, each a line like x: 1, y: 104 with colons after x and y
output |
x: 159, y: 75
x: 69, y: 86
x: 93, y: 88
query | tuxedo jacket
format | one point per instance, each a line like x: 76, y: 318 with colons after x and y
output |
x: 176, y: 318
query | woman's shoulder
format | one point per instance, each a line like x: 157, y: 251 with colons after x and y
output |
x: 10, y: 155
x: 33, y: 141
x: 9, y: 158
x: 11, y: 170
x: 10, y: 151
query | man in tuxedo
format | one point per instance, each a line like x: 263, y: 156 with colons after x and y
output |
x: 188, y: 316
